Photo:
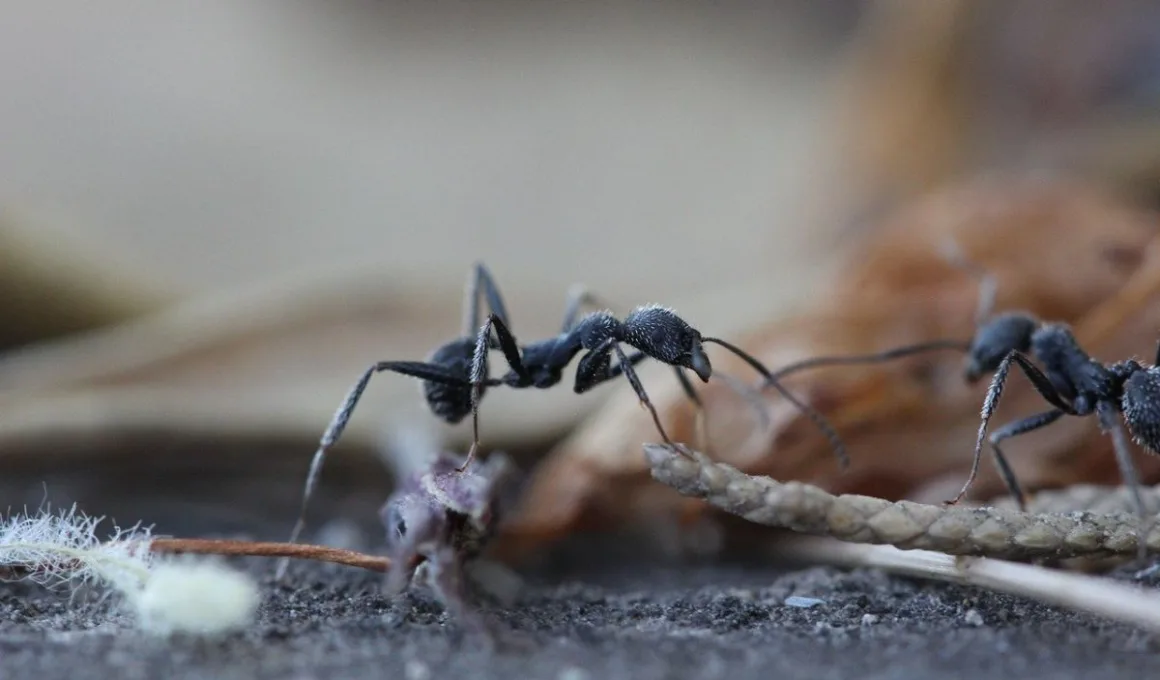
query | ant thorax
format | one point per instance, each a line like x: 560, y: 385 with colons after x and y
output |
x: 596, y: 328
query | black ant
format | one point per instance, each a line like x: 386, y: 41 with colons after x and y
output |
x: 1074, y: 383
x: 455, y: 376
x: 1071, y: 381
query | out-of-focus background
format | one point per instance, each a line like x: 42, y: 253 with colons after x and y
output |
x: 646, y: 150
x: 213, y: 215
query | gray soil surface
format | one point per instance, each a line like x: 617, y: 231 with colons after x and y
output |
x: 640, y: 621
x: 595, y: 608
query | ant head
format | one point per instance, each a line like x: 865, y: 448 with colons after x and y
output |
x: 995, y: 339
x: 660, y: 333
x: 1141, y: 407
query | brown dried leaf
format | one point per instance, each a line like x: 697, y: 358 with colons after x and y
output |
x: 1058, y: 249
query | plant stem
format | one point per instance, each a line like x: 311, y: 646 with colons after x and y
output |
x: 320, y: 553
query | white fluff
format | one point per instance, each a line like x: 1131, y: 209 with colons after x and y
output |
x: 198, y: 597
x: 63, y: 549
x: 167, y: 595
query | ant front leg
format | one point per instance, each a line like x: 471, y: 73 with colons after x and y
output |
x: 479, y: 373
x: 427, y: 372
x: 634, y: 380
x: 1015, y: 429
x: 1041, y: 384
x: 594, y: 368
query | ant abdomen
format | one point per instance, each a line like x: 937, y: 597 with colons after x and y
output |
x: 1140, y: 404
x: 452, y: 403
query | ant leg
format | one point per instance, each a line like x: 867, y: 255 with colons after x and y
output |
x: 818, y: 419
x: 1110, y: 423
x: 1157, y: 361
x: 594, y: 368
x: 1041, y: 384
x: 637, y: 387
x: 1014, y: 430
x: 482, y: 281
x: 414, y: 369
x: 507, y: 345
x: 988, y: 286
x: 479, y: 375
x: 989, y: 404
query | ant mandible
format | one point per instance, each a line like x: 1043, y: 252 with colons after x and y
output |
x: 455, y: 376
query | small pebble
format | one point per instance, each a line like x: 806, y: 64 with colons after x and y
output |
x: 973, y: 617
x: 869, y: 619
x: 805, y: 602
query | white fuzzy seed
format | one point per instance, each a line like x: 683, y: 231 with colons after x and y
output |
x: 203, y: 597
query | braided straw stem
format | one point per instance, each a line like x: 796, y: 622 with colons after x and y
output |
x: 1061, y: 525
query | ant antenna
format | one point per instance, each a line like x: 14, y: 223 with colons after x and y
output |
x: 818, y: 419
x: 988, y: 287
x: 877, y: 357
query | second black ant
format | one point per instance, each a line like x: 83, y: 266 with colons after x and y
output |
x: 1071, y: 381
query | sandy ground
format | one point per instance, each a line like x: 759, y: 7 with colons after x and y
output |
x: 595, y: 607
x: 642, y: 621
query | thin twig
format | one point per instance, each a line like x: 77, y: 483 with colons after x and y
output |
x: 204, y: 546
